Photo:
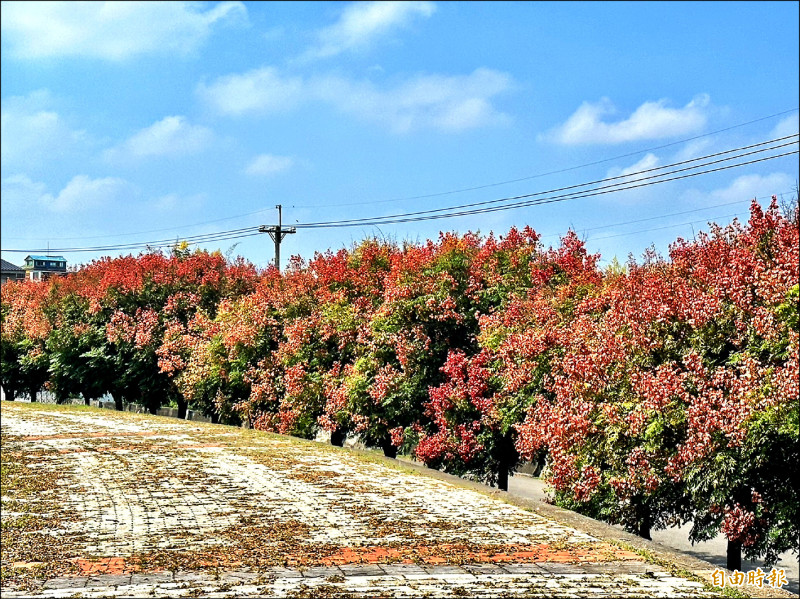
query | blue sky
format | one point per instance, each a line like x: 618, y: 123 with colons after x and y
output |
x: 141, y: 122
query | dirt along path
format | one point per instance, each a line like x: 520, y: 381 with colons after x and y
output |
x: 104, y: 504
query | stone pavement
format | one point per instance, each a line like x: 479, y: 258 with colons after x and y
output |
x: 105, y: 504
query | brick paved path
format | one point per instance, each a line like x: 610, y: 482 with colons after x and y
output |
x: 108, y: 505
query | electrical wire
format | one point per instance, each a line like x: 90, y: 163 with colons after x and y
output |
x: 545, y: 174
x: 651, y: 218
x: 461, y: 209
x: 626, y: 176
x: 694, y: 222
x: 451, y: 192
x: 195, y: 239
x: 629, y: 182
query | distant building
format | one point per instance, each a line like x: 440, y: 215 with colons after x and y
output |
x: 41, y: 268
x: 10, y: 272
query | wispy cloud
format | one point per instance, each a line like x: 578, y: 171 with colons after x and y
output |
x: 172, y: 202
x: 362, y: 23
x: 20, y: 193
x: 262, y: 90
x: 268, y: 164
x: 652, y: 120
x: 81, y: 194
x: 746, y: 188
x: 788, y: 126
x: 31, y: 130
x: 85, y: 193
x: 693, y: 149
x: 110, y: 30
x: 171, y: 136
x: 629, y: 175
x: 445, y: 103
x: 649, y: 161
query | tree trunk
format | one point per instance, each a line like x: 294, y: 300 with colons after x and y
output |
x: 10, y: 394
x: 33, y: 393
x: 644, y: 530
x: 734, y: 556
x: 338, y: 437
x: 152, y: 402
x: 507, y: 460
x: 389, y: 450
x: 87, y: 401
x: 118, y: 405
x: 182, y: 406
x: 645, y: 523
x: 502, y: 477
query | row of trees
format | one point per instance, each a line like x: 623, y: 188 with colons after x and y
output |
x: 662, y: 392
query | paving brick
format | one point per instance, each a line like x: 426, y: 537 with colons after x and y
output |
x: 155, y: 578
x: 142, y: 486
x: 61, y: 583
x: 402, y: 569
x: 557, y: 568
x: 324, y: 571
x: 238, y: 577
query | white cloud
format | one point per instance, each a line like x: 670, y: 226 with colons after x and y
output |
x: 693, y: 149
x: 747, y: 187
x: 81, y: 194
x: 652, y: 120
x: 258, y: 91
x: 631, y: 176
x: 173, y: 201
x: 30, y: 131
x: 788, y: 126
x: 649, y: 161
x: 268, y: 164
x: 362, y: 23
x: 171, y: 136
x: 445, y: 103
x: 110, y: 30
x: 19, y: 192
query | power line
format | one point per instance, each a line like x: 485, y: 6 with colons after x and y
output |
x: 451, y: 192
x: 195, y: 239
x: 456, y: 211
x: 694, y: 222
x: 619, y: 177
x: 208, y: 222
x: 572, y: 197
x: 460, y: 209
x: 555, y: 172
x: 650, y: 218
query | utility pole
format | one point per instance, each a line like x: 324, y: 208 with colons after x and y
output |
x: 277, y: 234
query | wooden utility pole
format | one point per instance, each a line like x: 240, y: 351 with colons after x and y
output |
x: 277, y: 233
